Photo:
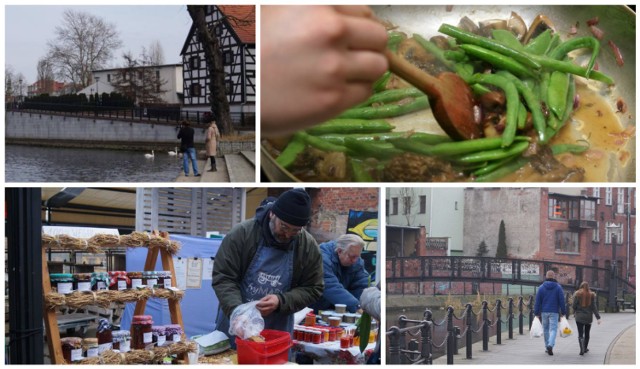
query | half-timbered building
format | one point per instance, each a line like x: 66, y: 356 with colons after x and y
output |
x: 234, y: 27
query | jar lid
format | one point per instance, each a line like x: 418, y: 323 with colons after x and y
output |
x: 123, y: 333
x: 142, y: 317
x: 61, y: 275
x: 71, y: 340
x: 100, y: 274
x: 90, y: 341
x: 158, y: 328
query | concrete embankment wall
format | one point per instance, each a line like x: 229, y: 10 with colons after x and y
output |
x: 58, y: 130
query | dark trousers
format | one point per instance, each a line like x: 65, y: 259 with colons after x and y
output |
x: 213, y: 161
x: 583, y: 332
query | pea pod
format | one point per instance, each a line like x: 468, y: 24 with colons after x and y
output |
x: 540, y: 44
x: 351, y: 126
x: 487, y: 43
x: 513, y: 103
x: 497, y: 60
x: 507, y: 38
x: 455, y: 55
x: 386, y: 111
x: 394, y: 39
x: 381, y: 83
x: 557, y: 93
x: 288, y: 156
x: 578, y: 43
x: 569, y: 67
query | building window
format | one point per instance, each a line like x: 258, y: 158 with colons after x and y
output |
x: 250, y: 73
x: 596, y: 193
x: 108, y: 77
x: 608, y: 196
x: 596, y: 233
x: 228, y: 85
x: 587, y: 210
x: 387, y: 207
x: 195, y: 90
x: 218, y: 30
x: 567, y: 241
x: 620, y: 207
x: 228, y: 57
x: 617, y: 231
x: 394, y: 206
x: 158, y: 75
x: 423, y: 204
x: 407, y: 205
x: 194, y: 62
x: 560, y: 209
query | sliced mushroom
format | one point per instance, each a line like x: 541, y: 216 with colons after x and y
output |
x: 540, y: 24
x: 517, y: 25
x: 468, y: 25
x: 440, y: 41
x: 489, y: 25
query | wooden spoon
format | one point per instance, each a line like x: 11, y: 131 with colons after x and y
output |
x: 450, y: 97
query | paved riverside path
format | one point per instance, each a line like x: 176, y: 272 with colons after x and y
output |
x: 612, y: 342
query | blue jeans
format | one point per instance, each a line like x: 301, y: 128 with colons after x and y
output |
x: 550, y: 327
x: 190, y: 154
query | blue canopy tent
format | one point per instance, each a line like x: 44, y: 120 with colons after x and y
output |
x: 198, y: 306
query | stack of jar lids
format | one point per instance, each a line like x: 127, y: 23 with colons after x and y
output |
x: 142, y: 319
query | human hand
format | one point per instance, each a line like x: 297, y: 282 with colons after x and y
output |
x: 316, y: 61
x: 268, y: 304
x: 599, y: 321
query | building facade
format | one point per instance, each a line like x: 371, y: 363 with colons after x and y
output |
x: 234, y: 27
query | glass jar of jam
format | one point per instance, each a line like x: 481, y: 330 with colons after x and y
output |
x: 62, y: 282
x: 173, y: 332
x: 72, y: 349
x: 159, y: 337
x: 82, y: 281
x: 165, y: 278
x: 104, y: 335
x: 141, y: 335
x: 118, y: 281
x: 310, y: 320
x: 99, y: 281
x: 136, y: 279
x: 90, y: 346
x: 121, y: 340
x: 150, y: 278
x: 317, y: 337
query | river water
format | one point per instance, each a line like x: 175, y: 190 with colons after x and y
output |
x: 54, y: 164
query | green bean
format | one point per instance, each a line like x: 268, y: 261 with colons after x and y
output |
x: 570, y: 99
x: 569, y: 67
x: 394, y: 39
x: 493, y: 166
x: 578, y: 43
x: 497, y: 60
x: 493, y: 154
x: 522, y: 116
x: 319, y: 143
x: 507, y: 38
x: 487, y: 43
x: 532, y: 102
x: 360, y: 174
x: 425, y: 138
x: 386, y: 111
x: 451, y: 148
x: 391, y: 95
x: 555, y: 41
x: 557, y: 93
x: 428, y: 138
x: 288, y: 156
x: 540, y: 44
x: 381, y: 83
x: 381, y: 151
x: 503, y: 171
x: 456, y: 55
x: 480, y: 89
x: 351, y: 126
x: 513, y: 101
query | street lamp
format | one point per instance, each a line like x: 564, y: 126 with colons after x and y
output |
x: 613, y: 279
x: 20, y: 84
x: 97, y: 92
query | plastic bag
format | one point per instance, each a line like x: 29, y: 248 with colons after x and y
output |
x: 536, y: 328
x: 563, y: 328
x: 246, y: 321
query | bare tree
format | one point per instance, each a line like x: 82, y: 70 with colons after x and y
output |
x: 45, y: 76
x: 138, y: 80
x: 409, y: 200
x: 154, y: 54
x: 211, y: 45
x: 83, y: 43
x: 14, y: 84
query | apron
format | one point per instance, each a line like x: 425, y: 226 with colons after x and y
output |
x: 270, y: 272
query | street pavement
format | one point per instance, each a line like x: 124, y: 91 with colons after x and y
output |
x: 612, y: 342
x: 230, y: 168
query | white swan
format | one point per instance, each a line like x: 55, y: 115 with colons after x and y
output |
x: 173, y: 153
x: 149, y: 156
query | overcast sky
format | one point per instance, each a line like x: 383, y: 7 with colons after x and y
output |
x: 29, y: 27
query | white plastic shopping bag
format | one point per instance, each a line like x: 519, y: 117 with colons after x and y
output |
x: 563, y: 328
x: 536, y: 328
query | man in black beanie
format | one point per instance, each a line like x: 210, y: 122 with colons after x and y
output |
x: 271, y: 259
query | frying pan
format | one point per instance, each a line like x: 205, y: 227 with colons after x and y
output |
x: 618, y: 23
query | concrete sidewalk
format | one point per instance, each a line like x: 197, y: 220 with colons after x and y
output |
x: 203, y: 168
x: 612, y: 342
x: 234, y: 168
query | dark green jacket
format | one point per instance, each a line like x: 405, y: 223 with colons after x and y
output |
x: 584, y: 314
x: 236, y: 252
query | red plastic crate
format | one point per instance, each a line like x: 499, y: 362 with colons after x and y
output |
x: 275, y: 349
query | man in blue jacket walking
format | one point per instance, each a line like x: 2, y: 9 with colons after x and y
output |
x: 550, y: 301
x: 344, y: 275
